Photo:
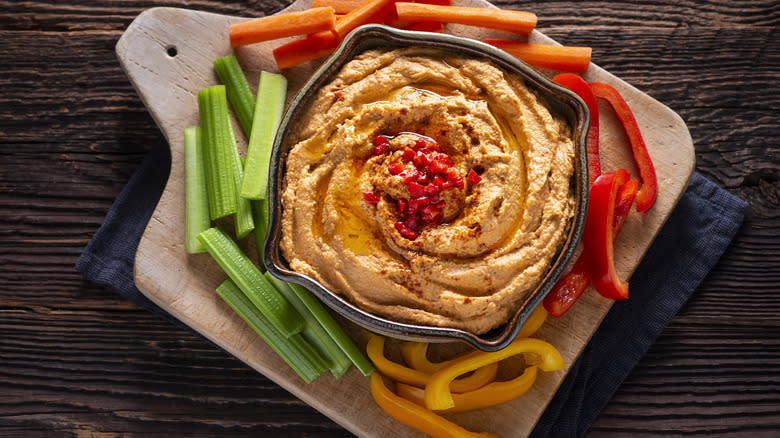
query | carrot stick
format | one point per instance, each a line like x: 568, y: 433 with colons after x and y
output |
x: 510, y: 21
x: 429, y: 26
x: 369, y: 11
x: 324, y: 43
x: 563, y: 58
x: 340, y: 6
x: 306, y: 49
x: 281, y: 26
x: 347, y: 6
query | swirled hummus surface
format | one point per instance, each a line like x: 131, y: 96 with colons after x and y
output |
x: 428, y: 188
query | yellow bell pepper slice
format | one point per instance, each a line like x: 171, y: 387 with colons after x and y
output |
x: 417, y: 416
x: 489, y: 395
x: 437, y: 391
x: 375, y: 351
x: 416, y: 353
x: 533, y: 323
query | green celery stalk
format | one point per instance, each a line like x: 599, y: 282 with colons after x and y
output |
x: 295, y: 350
x: 238, y: 92
x: 196, y: 210
x: 216, y: 135
x: 269, y: 107
x: 314, y: 331
x: 333, y: 328
x: 245, y: 274
x: 260, y: 213
x: 242, y: 219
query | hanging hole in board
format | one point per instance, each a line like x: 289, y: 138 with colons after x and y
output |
x: 171, y: 50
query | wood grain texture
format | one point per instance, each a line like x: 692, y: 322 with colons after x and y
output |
x: 76, y: 360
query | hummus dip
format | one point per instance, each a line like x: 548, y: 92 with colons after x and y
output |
x: 428, y: 188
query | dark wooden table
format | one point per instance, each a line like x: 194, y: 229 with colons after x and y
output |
x: 76, y: 360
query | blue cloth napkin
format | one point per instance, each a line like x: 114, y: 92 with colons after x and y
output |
x: 688, y: 246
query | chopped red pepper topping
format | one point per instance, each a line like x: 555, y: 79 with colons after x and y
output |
x: 421, y: 160
x: 381, y: 145
x: 415, y: 190
x: 432, y: 214
x: 422, y: 142
x: 395, y: 168
x: 409, y: 176
x: 371, y: 197
x: 406, y: 231
x: 432, y: 173
x: 415, y: 204
x: 402, y: 203
x: 411, y: 223
x: 438, y: 166
x: 472, y: 178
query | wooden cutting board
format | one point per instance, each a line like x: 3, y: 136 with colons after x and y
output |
x: 167, y: 54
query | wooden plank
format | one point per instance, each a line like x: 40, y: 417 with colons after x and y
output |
x: 184, y: 285
x: 84, y: 135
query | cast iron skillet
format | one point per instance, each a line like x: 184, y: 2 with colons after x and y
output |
x: 559, y: 99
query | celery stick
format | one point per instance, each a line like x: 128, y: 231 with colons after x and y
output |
x: 242, y: 219
x: 256, y: 287
x: 295, y: 350
x: 314, y: 331
x: 238, y: 93
x: 260, y: 214
x: 333, y: 328
x: 216, y: 135
x: 269, y: 107
x: 196, y: 210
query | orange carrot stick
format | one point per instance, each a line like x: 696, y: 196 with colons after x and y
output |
x: 340, y: 6
x: 429, y: 26
x: 281, y: 26
x: 370, y: 11
x: 306, y: 49
x: 347, y: 6
x: 563, y: 58
x: 510, y: 21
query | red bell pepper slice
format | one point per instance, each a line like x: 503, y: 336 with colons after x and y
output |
x: 598, y: 238
x: 570, y: 287
x: 582, y: 89
x: 567, y: 290
x: 647, y: 193
x: 625, y: 198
